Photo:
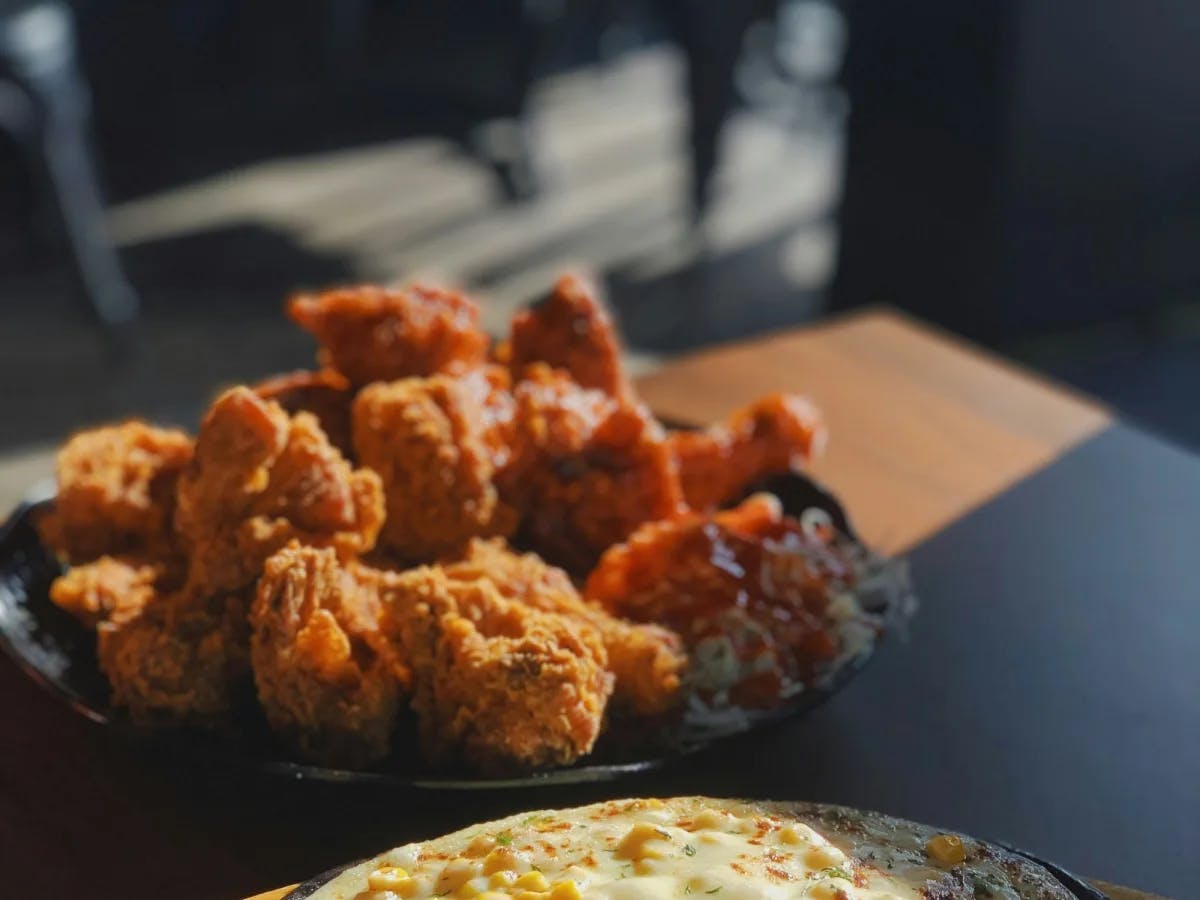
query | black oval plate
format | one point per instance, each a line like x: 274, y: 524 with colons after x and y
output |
x: 59, y: 654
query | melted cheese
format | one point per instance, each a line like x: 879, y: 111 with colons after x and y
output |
x: 665, y: 850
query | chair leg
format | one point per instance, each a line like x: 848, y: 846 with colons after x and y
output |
x: 43, y: 57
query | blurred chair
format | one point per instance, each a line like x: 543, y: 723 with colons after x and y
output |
x: 44, y: 105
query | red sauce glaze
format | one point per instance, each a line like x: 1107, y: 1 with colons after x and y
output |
x: 749, y: 575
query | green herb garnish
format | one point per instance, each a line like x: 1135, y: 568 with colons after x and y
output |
x: 835, y: 872
x: 504, y: 839
x: 689, y: 850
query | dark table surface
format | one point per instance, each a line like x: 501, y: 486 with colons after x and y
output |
x: 1046, y: 696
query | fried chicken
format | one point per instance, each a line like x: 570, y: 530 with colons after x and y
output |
x: 260, y: 478
x: 571, y: 330
x: 747, y: 589
x: 116, y: 488
x: 427, y: 439
x: 112, y: 589
x: 646, y: 660
x: 325, y: 394
x: 328, y: 680
x: 381, y: 334
x: 777, y: 433
x: 498, y: 685
x: 179, y: 661
x: 586, y: 469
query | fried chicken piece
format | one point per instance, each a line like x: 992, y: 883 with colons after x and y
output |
x: 113, y: 589
x: 498, y: 685
x: 325, y: 394
x: 116, y: 488
x: 180, y: 661
x: 260, y: 478
x: 426, y: 439
x: 771, y: 436
x: 570, y: 329
x: 329, y: 681
x: 384, y: 334
x: 586, y: 469
x: 748, y: 589
x: 646, y: 660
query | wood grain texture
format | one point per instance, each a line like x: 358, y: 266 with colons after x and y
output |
x: 923, y: 428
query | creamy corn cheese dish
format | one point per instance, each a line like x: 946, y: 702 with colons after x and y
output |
x: 698, y: 847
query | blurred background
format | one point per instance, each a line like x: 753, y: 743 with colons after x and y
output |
x: 1026, y: 174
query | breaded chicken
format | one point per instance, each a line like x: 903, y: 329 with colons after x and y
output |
x: 259, y: 479
x: 426, y: 439
x: 773, y: 435
x: 325, y: 394
x: 180, y: 661
x: 328, y: 680
x: 498, y: 685
x: 116, y: 492
x: 646, y: 660
x: 586, y: 469
x: 383, y: 334
x: 112, y: 589
x: 571, y: 330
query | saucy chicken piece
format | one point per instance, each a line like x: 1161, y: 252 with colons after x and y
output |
x: 646, y: 660
x: 260, y: 478
x: 328, y: 680
x: 586, y: 469
x: 382, y: 334
x: 427, y: 439
x: 325, y: 394
x: 748, y: 589
x: 774, y: 435
x: 498, y: 685
x: 116, y: 490
x: 571, y: 330
x: 180, y: 661
x: 112, y: 589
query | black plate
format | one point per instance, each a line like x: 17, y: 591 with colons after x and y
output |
x: 59, y: 654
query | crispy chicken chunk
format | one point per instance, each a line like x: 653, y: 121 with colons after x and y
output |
x: 116, y: 489
x: 771, y: 436
x: 426, y: 437
x: 328, y: 680
x: 586, y: 469
x: 497, y: 684
x: 112, y: 589
x: 180, y: 660
x: 571, y: 330
x: 325, y: 394
x: 380, y: 334
x: 646, y: 660
x: 260, y: 478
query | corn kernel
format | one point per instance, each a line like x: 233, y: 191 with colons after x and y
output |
x: 456, y: 873
x: 530, y: 895
x: 823, y: 890
x: 636, y: 843
x: 532, y: 881
x: 946, y: 849
x: 480, y: 845
x: 565, y: 890
x: 824, y: 856
x: 473, y: 888
x: 387, y: 878
x: 710, y: 818
x: 501, y: 858
x: 789, y: 835
x: 503, y: 878
x: 493, y: 895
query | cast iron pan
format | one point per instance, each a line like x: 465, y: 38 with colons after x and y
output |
x: 59, y: 654
x: 1073, y: 883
